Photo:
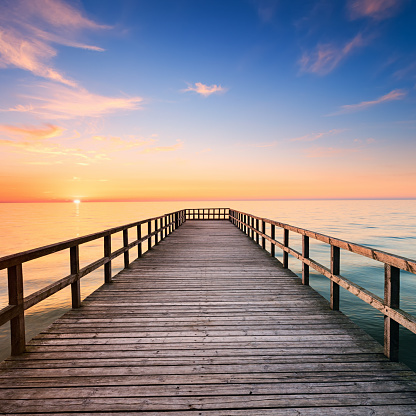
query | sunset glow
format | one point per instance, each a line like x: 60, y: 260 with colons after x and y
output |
x: 211, y: 100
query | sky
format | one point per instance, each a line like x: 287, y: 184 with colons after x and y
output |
x: 138, y: 100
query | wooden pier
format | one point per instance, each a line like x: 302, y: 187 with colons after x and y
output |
x: 204, y: 323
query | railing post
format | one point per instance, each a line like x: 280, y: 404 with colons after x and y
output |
x: 164, y: 230
x: 286, y: 244
x: 391, y: 299
x: 257, y: 228
x: 335, y: 269
x: 273, y: 236
x: 177, y: 220
x: 263, y: 230
x: 139, y: 236
x: 126, y: 244
x: 149, y: 231
x: 17, y: 324
x: 76, y: 286
x: 157, y: 231
x: 305, y: 254
x: 107, y: 253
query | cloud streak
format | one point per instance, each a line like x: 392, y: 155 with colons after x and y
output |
x: 328, y: 152
x: 119, y: 143
x: 391, y: 96
x: 162, y: 149
x: 205, y: 90
x: 48, y: 149
x: 29, y: 132
x: 30, y: 27
x: 54, y: 101
x: 375, y: 9
x: 326, y: 57
x: 315, y: 136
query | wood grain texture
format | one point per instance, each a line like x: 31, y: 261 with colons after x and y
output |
x: 205, y: 323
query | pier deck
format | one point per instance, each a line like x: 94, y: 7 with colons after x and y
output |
x: 205, y: 323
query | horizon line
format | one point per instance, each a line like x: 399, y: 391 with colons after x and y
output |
x: 209, y: 200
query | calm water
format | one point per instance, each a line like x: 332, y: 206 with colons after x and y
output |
x: 385, y: 225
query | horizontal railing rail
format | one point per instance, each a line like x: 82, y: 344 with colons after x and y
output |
x: 157, y: 229
x: 207, y: 213
x: 255, y: 228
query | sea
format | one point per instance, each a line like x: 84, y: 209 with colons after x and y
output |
x: 388, y: 225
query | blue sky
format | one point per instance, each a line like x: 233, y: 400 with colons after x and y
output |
x: 207, y: 99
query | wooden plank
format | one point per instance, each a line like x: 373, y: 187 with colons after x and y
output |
x: 206, y: 320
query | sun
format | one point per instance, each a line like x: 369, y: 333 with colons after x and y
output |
x: 77, y: 201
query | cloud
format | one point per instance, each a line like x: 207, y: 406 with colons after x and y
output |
x: 59, y: 14
x: 266, y: 9
x: 29, y: 132
x: 161, y: 149
x: 54, y: 101
x: 328, y: 151
x: 205, y: 90
x: 263, y: 145
x: 375, y: 9
x: 19, y: 109
x: 326, y: 57
x: 408, y: 71
x: 28, y: 28
x: 37, y: 139
x: 315, y: 136
x: 55, y: 150
x: 391, y: 96
x: 118, y: 143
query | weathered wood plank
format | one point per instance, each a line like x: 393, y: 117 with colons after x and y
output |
x: 206, y: 320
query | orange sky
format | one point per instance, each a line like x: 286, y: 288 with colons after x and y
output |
x: 275, y: 103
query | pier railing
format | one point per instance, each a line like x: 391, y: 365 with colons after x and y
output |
x: 157, y: 229
x: 255, y: 228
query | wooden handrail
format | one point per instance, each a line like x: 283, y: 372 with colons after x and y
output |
x: 389, y: 306
x: 254, y: 226
x: 14, y: 312
x: 207, y: 213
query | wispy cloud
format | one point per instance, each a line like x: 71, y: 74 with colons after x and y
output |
x: 262, y: 145
x: 375, y: 9
x: 47, y: 131
x: 161, y: 149
x: 326, y: 57
x: 391, y: 96
x: 205, y: 90
x: 54, y: 150
x: 119, y: 143
x: 409, y: 71
x: 19, y: 109
x: 328, y: 151
x: 315, y: 136
x: 43, y: 141
x: 54, y: 101
x: 266, y: 9
x: 28, y: 28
